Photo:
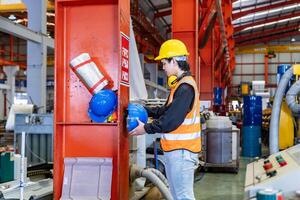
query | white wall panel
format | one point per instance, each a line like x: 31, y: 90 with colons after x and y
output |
x: 273, y: 79
x: 247, y: 69
x: 258, y: 69
x: 272, y: 68
x: 238, y: 58
x: 237, y: 69
x: 295, y: 57
x: 284, y: 57
x: 259, y: 78
x: 236, y: 80
x: 247, y: 58
x: 259, y: 58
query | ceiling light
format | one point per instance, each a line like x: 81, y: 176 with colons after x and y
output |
x: 293, y: 40
x: 240, y: 1
x: 12, y: 17
x: 270, y: 23
x: 270, y: 11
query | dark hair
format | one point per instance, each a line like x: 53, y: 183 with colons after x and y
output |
x: 183, y: 65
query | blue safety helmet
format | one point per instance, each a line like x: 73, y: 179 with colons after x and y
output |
x: 136, y: 111
x: 102, y: 105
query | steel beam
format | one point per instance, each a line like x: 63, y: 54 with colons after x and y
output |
x: 207, y: 24
x: 267, y: 32
x: 185, y: 28
x: 265, y: 21
x: 263, y: 8
x: 262, y: 49
x: 163, y: 13
x: 23, y: 32
x: 163, y: 6
x: 255, y: 4
x: 140, y: 19
x: 4, y: 62
x: 226, y: 30
x: 270, y: 38
x: 266, y: 68
x: 250, y: 64
x: 37, y: 55
x: 254, y: 74
x: 20, y: 7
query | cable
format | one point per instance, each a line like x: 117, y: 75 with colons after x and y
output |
x: 30, y: 150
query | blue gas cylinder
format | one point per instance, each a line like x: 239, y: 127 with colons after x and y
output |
x: 218, y: 92
x: 252, y: 110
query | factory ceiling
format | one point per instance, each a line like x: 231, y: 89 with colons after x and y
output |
x: 255, y: 22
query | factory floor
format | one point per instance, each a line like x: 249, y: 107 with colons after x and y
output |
x: 227, y: 186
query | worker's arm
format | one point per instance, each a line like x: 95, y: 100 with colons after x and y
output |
x: 155, y: 112
x: 175, y: 113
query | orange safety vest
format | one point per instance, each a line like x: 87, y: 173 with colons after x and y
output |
x: 188, y: 134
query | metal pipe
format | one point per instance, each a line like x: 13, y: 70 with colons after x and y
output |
x: 274, y: 125
x: 159, y: 175
x: 266, y: 68
x: 136, y: 172
x: 291, y: 98
x: 11, y: 47
x: 222, y: 30
x: 22, y: 174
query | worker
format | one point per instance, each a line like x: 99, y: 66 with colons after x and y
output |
x: 178, y: 121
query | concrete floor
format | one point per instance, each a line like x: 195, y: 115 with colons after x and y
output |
x: 217, y: 186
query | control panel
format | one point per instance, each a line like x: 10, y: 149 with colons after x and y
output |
x: 279, y: 171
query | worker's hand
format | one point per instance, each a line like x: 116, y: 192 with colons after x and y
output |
x: 139, y: 130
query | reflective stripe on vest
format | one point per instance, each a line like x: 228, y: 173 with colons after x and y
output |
x: 185, y: 136
x: 188, y: 134
x: 191, y: 121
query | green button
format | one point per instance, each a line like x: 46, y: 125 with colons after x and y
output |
x: 278, y: 157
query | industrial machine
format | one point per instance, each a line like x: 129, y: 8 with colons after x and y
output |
x: 286, y: 123
x: 106, y: 40
x: 6, y: 167
x: 219, y: 107
x: 280, y: 171
x: 220, y: 145
x: 39, y: 190
x: 39, y: 137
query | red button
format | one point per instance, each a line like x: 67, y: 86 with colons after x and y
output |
x: 267, y: 166
x: 283, y: 163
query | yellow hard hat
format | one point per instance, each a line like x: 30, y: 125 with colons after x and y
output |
x: 172, y: 48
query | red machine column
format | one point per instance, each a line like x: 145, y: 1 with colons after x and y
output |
x: 185, y: 28
x: 99, y: 28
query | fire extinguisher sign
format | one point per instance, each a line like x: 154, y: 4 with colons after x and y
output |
x: 124, y: 60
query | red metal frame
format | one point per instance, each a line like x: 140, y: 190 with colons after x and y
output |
x: 206, y: 53
x: 266, y: 69
x: 213, y: 49
x: 147, y: 36
x: 163, y: 13
x: 185, y: 28
x: 10, y: 57
x: 264, y: 33
x: 89, y: 26
x: 270, y: 38
x: 207, y: 24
